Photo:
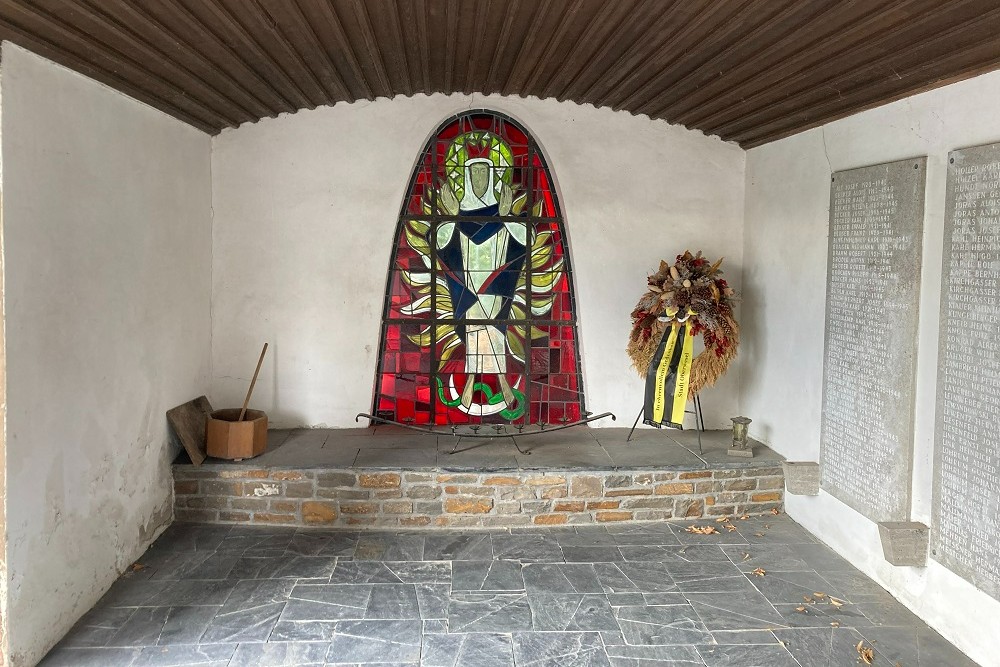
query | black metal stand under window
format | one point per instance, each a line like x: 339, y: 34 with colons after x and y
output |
x: 499, y: 430
x: 699, y: 421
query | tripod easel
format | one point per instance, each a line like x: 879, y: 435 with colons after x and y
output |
x: 699, y: 420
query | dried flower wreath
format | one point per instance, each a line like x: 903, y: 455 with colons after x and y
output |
x: 690, y: 284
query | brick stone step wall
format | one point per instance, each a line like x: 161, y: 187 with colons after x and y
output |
x: 413, y: 499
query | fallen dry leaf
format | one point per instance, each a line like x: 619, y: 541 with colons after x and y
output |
x: 819, y: 595
x: 730, y: 527
x: 760, y: 572
x: 758, y: 534
x: 866, y: 654
x: 722, y: 519
x: 836, y: 603
x: 835, y: 624
x: 138, y: 567
x: 775, y: 511
x: 746, y: 556
x: 744, y: 517
x: 701, y: 530
x: 801, y: 610
x: 807, y: 599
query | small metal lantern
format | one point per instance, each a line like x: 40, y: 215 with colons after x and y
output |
x: 740, y: 428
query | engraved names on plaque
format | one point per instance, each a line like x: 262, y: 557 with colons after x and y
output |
x: 872, y: 299
x: 965, y: 533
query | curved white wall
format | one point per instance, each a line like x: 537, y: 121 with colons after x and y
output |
x: 306, y: 208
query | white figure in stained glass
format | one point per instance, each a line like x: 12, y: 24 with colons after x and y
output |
x: 483, y: 261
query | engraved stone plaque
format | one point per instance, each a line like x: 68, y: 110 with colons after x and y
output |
x: 872, y: 300
x: 965, y: 533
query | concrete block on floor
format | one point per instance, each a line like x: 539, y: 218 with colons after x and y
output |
x: 801, y: 477
x: 904, y: 543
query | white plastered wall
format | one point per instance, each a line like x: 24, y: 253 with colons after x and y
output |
x: 787, y: 213
x: 306, y: 207
x: 107, y: 262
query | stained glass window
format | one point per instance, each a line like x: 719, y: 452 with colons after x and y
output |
x: 479, y: 322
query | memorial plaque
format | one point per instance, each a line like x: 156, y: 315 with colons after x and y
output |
x: 965, y: 532
x: 872, y: 301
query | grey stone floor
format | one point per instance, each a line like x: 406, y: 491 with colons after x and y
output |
x: 637, y: 595
x: 576, y: 448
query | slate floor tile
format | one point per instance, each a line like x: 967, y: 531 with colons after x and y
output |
x: 592, y: 554
x: 746, y: 611
x: 479, y: 649
x: 561, y: 578
x: 821, y: 615
x: 788, y: 587
x: 748, y: 655
x: 695, y: 553
x: 744, y: 637
x: 97, y: 626
x: 673, y: 625
x: 777, y: 531
x: 572, y: 612
x: 654, y: 656
x: 486, y: 575
x: 768, y: 556
x: 586, y: 536
x: 559, y: 649
x: 307, y: 543
x: 641, y: 577
x: 340, y: 544
x: 477, y: 612
x: 303, y: 631
x: 887, y: 612
x: 192, y: 537
x: 250, y: 613
x: 133, y: 593
x: 210, y: 655
x: 527, y: 548
x: 186, y: 625
x: 917, y: 646
x: 720, y: 538
x: 281, y: 654
x: 328, y: 602
x: 402, y: 572
x: 142, y: 628
x: 389, y: 547
x: 305, y: 567
x: 433, y: 600
x: 374, y: 641
x: 855, y: 586
x: 823, y: 647
x: 173, y: 565
x: 626, y: 599
x: 819, y: 557
x: 458, y: 546
x: 90, y: 657
x: 709, y: 578
x: 393, y: 601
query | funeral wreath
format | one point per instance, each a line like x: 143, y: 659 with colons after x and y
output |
x: 690, y: 286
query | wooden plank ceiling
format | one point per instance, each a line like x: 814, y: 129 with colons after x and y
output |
x: 750, y: 71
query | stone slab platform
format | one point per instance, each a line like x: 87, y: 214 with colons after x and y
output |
x: 577, y: 448
x: 393, y: 477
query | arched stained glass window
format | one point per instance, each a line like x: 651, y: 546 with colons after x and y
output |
x: 479, y: 322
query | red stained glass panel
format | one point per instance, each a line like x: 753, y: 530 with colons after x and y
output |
x: 479, y: 320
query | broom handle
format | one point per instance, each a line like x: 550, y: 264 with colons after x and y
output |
x: 246, y: 401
